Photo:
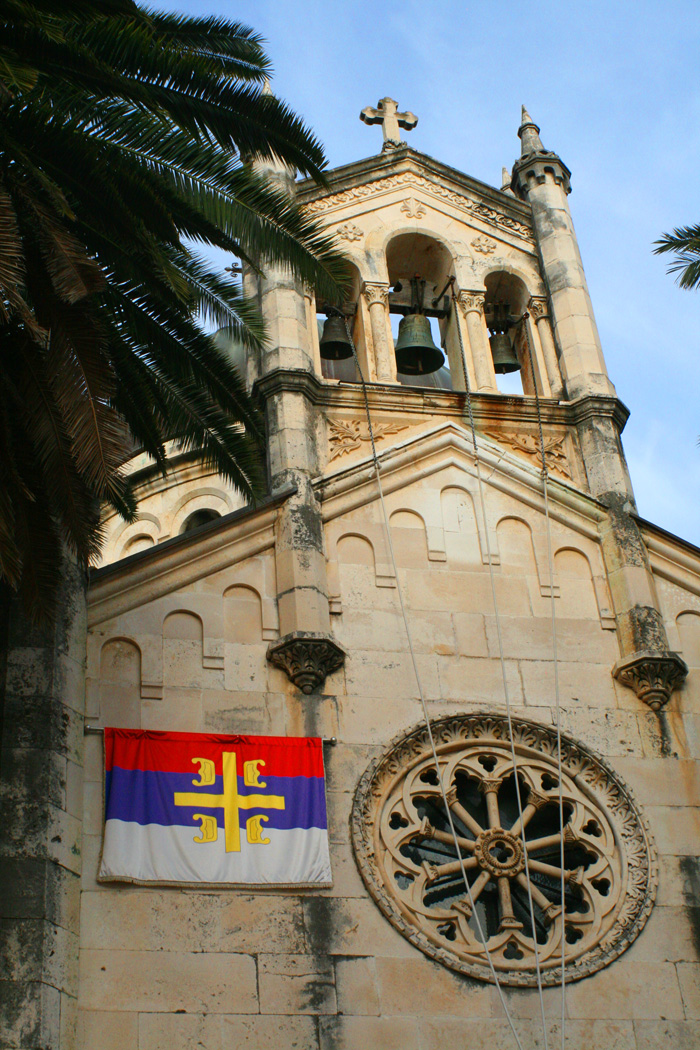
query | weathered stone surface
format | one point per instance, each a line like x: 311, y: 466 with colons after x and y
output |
x: 296, y: 984
x: 215, y: 982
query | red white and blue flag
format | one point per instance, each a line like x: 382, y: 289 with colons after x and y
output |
x: 200, y: 809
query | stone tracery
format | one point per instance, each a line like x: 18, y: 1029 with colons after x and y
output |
x: 409, y: 861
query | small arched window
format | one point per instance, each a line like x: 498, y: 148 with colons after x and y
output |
x: 197, y: 518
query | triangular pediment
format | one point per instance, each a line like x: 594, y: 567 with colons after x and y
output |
x: 367, y: 183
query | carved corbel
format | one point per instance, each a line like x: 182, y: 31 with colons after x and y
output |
x: 652, y: 675
x: 538, y: 307
x: 306, y: 659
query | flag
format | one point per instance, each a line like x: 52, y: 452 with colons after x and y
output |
x: 210, y: 810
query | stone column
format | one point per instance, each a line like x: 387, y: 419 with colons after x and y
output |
x: 539, y: 311
x: 472, y: 306
x: 42, y: 701
x: 305, y: 650
x: 377, y: 299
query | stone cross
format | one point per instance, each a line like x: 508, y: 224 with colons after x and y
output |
x: 386, y: 114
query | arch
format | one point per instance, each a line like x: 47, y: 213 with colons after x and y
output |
x: 243, y: 617
x: 576, y: 584
x: 516, y: 545
x: 688, y: 624
x: 120, y: 661
x: 183, y: 645
x: 183, y: 624
x: 205, y: 498
x: 409, y: 537
x: 462, y: 540
x: 356, y: 549
x: 203, y: 516
x: 135, y: 544
x: 345, y: 369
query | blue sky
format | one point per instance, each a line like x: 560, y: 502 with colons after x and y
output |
x: 614, y: 87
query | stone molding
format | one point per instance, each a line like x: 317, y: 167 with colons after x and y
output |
x: 403, y: 179
x: 652, y: 675
x: 376, y: 293
x: 605, y: 821
x: 307, y: 659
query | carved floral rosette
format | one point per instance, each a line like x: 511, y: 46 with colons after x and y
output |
x: 608, y: 895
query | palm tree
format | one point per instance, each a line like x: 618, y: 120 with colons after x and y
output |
x: 124, y: 136
x: 684, y: 242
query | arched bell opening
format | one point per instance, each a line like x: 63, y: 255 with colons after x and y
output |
x: 505, y: 307
x: 419, y: 269
x: 335, y: 329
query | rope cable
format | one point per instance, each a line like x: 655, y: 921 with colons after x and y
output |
x: 479, y: 929
x: 506, y: 692
x: 550, y: 561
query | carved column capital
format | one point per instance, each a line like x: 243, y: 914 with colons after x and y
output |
x: 307, y: 659
x: 376, y: 293
x: 471, y: 302
x: 538, y: 307
x: 652, y: 675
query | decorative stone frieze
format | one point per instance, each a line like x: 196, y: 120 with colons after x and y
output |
x: 409, y: 178
x: 349, y: 232
x: 484, y: 245
x: 509, y: 851
x: 347, y: 435
x: 412, y: 208
x: 306, y: 659
x: 652, y: 675
x: 529, y: 445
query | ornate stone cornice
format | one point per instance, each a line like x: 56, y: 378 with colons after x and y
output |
x: 307, y: 659
x: 652, y: 675
x: 376, y: 293
x: 401, y: 180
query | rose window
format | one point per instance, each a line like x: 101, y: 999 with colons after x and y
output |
x: 413, y: 867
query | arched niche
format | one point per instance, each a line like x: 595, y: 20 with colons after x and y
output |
x: 183, y: 639
x: 203, y: 516
x: 243, y: 615
x: 462, y: 544
x: 688, y: 624
x: 575, y: 579
x: 120, y: 662
x: 425, y: 259
x: 409, y: 538
x: 353, y: 549
x: 141, y: 542
x: 119, y: 688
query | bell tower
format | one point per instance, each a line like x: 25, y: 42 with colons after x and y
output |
x: 455, y: 284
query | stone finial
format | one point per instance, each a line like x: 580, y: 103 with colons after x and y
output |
x: 307, y: 659
x: 266, y: 89
x: 529, y: 134
x: 652, y: 675
x: 505, y: 182
x: 391, y: 120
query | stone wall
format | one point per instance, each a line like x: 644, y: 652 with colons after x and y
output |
x: 165, y: 968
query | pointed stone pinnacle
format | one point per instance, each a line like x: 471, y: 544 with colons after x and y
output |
x: 529, y: 135
x: 505, y: 179
x: 266, y: 89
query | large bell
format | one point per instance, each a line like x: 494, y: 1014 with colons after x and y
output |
x: 334, y: 343
x: 416, y: 353
x: 504, y: 359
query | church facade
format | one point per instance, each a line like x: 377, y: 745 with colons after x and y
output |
x: 437, y: 549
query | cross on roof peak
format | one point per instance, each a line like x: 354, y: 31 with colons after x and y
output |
x: 386, y: 114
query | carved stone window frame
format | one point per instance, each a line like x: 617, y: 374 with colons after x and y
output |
x: 624, y: 849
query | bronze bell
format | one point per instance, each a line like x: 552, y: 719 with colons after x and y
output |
x: 334, y: 343
x: 504, y: 359
x: 416, y: 353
